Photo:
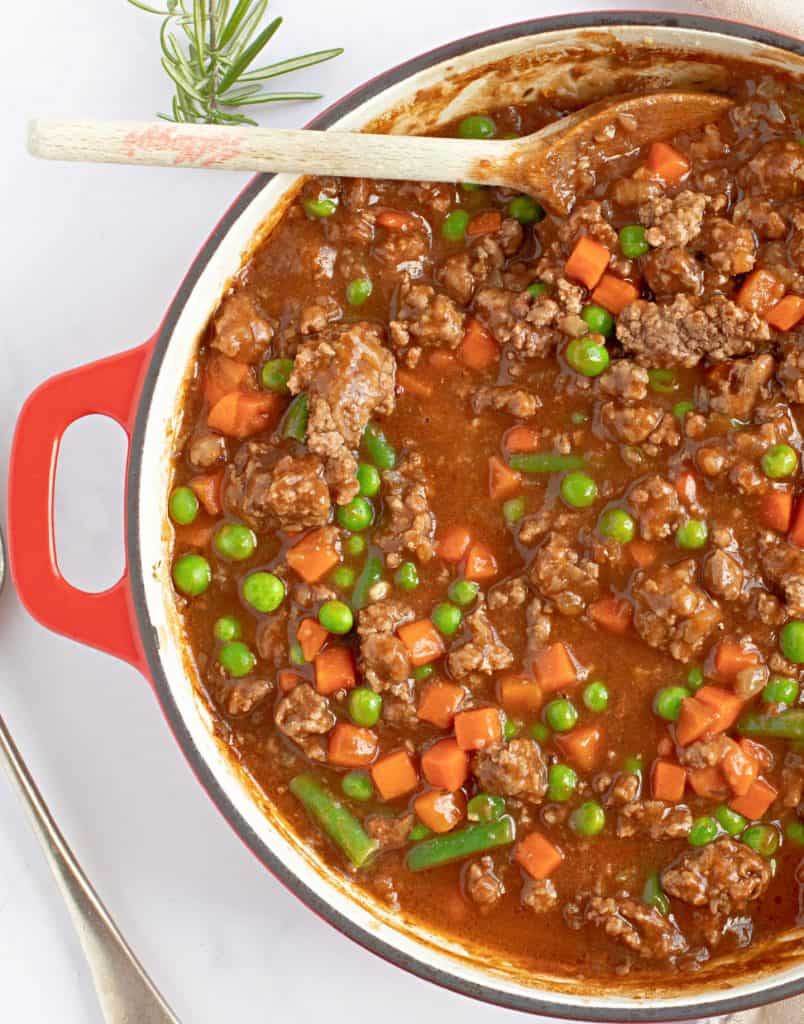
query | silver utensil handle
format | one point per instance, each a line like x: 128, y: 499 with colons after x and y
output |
x: 125, y: 991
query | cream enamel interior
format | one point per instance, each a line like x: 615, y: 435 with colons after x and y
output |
x: 437, y: 94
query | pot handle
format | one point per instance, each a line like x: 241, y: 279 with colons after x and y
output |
x: 108, y: 387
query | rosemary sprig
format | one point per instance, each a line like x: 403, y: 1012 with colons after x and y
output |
x: 209, y: 48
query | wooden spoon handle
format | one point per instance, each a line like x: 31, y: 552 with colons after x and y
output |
x: 348, y: 154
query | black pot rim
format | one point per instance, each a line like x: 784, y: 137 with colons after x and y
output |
x: 541, y: 1001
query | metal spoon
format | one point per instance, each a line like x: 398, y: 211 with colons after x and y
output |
x: 125, y: 992
x: 550, y: 164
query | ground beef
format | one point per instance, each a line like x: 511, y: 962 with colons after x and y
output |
x: 761, y: 216
x: 672, y: 612
x: 402, y: 250
x: 654, y: 819
x: 514, y: 769
x: 736, y: 391
x: 782, y: 565
x: 791, y: 375
x: 587, y: 219
x: 705, y: 753
x: 539, y: 895
x: 681, y: 333
x: 410, y: 524
x: 655, y: 503
x: 515, y: 401
x: 390, y: 833
x: 239, y: 330
x: 630, y: 424
x: 205, y: 449
x: 290, y: 492
x: 244, y: 695
x: 319, y: 315
x: 464, y: 272
x: 272, y: 639
x: 539, y: 627
x: 670, y: 270
x: 725, y: 875
x: 777, y: 171
x: 530, y: 324
x: 509, y: 594
x: 349, y: 376
x: 739, y: 452
x: 673, y: 222
x: 484, y: 653
x: 729, y: 248
x: 635, y: 191
x: 561, y: 573
x: 723, y: 575
x: 425, y: 319
x: 481, y: 883
x: 624, y: 379
x: 304, y: 716
x: 384, y: 659
x: 639, y: 927
x: 793, y: 781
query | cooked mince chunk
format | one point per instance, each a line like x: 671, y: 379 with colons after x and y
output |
x: 489, y: 543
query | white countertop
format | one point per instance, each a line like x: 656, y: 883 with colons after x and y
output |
x: 90, y: 259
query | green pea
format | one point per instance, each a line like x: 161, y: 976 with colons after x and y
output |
x: 695, y: 678
x: 662, y: 381
x: 378, y: 448
x: 598, y: 320
x: 419, y: 832
x: 343, y: 577
x: 318, y: 208
x: 795, y: 832
x: 357, y: 786
x: 632, y: 764
x: 463, y: 592
x: 471, y: 186
x: 513, y: 510
x: 617, y: 524
x: 365, y: 707
x: 355, y: 545
x: 540, y: 732
x: 422, y: 672
x: 358, y: 291
x: 264, y: 591
x: 275, y: 375
x: 780, y: 690
x: 779, y: 461
x: 587, y: 356
x: 227, y: 628
x: 589, y: 819
x: 297, y: 654
x: 692, y: 534
x: 667, y: 702
x: 192, y: 575
x: 578, y: 490
x: 510, y: 729
x: 336, y: 617
x: 633, y: 241
x: 791, y: 640
x: 477, y: 126
x: 236, y: 658
x: 703, y: 831
x: 525, y: 210
x: 454, y: 225
x: 235, y: 542
x: 596, y: 696
x: 485, y: 807
x: 183, y: 506
x: 730, y: 821
x: 763, y: 839
x: 406, y: 576
x: 562, y: 782
x: 579, y: 417
x: 446, y: 618
x: 680, y: 410
x: 368, y: 480
x: 357, y: 515
x: 561, y: 715
x: 537, y: 288
x: 653, y: 894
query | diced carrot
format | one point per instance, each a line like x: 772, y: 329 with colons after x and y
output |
x: 731, y: 658
x: 726, y: 706
x: 224, y: 374
x: 694, y: 720
x: 394, y: 775
x: 311, y: 636
x: 666, y: 162
x: 478, y: 728
x: 521, y: 439
x: 314, y: 555
x: 581, y: 745
x: 396, y: 220
x: 439, y: 703
x: 454, y: 543
x: 708, y: 782
x: 786, y: 314
x: 642, y: 554
x: 668, y: 780
x: 334, y: 670
x: 587, y: 262
x: 538, y: 856
x: 760, y: 292
x: 195, y: 535
x: 687, y: 487
x: 504, y: 482
x: 479, y: 349
x: 445, y: 765
x: 776, y: 510
x: 480, y: 563
x: 350, y: 746
x: 614, y: 294
x: 484, y: 223
x: 288, y: 680
x: 756, y: 801
x: 413, y: 384
x: 796, y: 534
x: 519, y: 694
x: 740, y: 769
x: 612, y: 613
x: 242, y: 414
x: 207, y: 489
x: 442, y: 361
x: 759, y: 752
x: 440, y: 811
x: 554, y: 668
x: 422, y: 640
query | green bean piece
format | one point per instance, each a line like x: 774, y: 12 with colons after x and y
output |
x: 787, y: 725
x: 546, y: 462
x: 445, y: 849
x: 378, y: 448
x: 485, y: 807
x: 418, y: 832
x: 341, y: 825
x: 295, y: 425
x: 371, y: 574
x: 654, y: 895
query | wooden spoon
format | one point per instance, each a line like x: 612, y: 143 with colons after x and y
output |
x: 551, y: 164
